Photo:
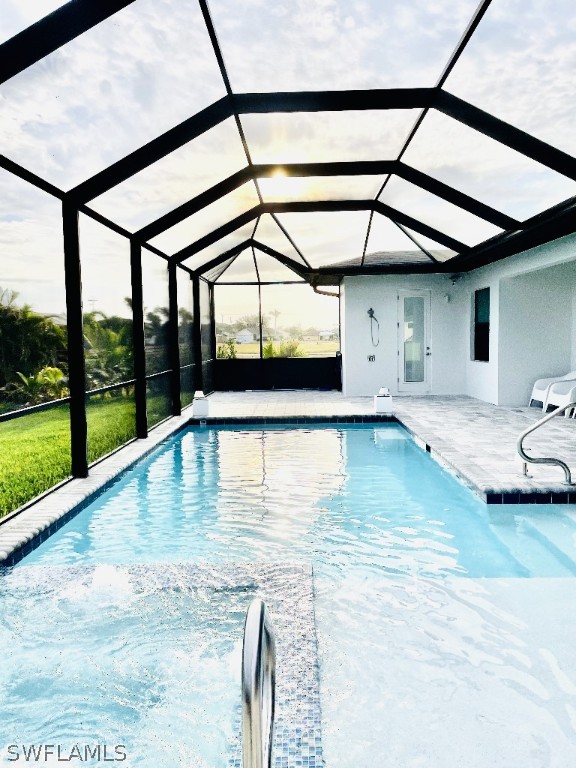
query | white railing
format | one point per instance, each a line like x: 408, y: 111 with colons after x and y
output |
x: 258, y: 687
x: 543, y: 460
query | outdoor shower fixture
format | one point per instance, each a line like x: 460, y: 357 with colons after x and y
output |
x: 374, y: 319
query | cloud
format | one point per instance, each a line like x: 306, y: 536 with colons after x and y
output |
x: 327, y: 237
x: 178, y: 177
x: 520, y: 64
x: 304, y: 45
x: 31, y: 249
x: 485, y: 169
x: 17, y: 15
x: 435, y: 212
x: 132, y: 77
x: 208, y: 219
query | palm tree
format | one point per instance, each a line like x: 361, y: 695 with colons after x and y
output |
x: 28, y: 340
x: 275, y: 314
x: 108, y: 349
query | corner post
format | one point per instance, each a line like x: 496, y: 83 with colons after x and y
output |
x: 138, y: 339
x: 173, y: 336
x: 197, y: 335
x: 74, y: 319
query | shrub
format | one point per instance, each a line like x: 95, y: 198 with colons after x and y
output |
x: 227, y: 351
x: 289, y: 348
x: 48, y: 384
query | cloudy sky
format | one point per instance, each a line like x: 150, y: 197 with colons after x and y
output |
x: 151, y: 66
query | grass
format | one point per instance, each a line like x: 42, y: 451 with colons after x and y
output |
x: 111, y: 423
x: 35, y: 449
x: 34, y: 455
x: 310, y: 348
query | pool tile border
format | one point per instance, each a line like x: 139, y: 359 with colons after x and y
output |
x: 376, y: 418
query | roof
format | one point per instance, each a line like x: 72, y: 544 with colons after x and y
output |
x: 264, y: 142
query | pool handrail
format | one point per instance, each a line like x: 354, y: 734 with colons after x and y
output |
x: 544, y: 460
x: 258, y: 687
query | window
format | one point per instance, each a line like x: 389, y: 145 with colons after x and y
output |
x: 481, y: 337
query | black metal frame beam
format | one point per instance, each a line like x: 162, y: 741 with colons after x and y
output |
x: 464, y: 40
x: 507, y: 134
x: 53, y: 31
x: 262, y: 282
x: 153, y: 151
x: 194, y: 205
x: 319, y: 205
x: 234, y: 252
x: 138, y: 339
x: 216, y: 272
x: 451, y: 195
x: 299, y: 269
x: 418, y: 226
x: 217, y: 234
x: 313, y: 101
x: 74, y: 321
x: 197, y: 333
x: 544, y: 228
x: 173, y: 347
x: 333, y: 101
x: 31, y: 178
x: 36, y: 181
x: 221, y: 258
x: 398, y: 269
x: 354, y: 168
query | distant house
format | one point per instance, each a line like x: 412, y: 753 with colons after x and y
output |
x: 327, y: 335
x: 244, y: 336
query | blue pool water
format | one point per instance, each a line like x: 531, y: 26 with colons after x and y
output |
x: 445, y: 626
x: 355, y: 497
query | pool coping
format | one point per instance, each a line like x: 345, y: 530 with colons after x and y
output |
x: 26, y: 528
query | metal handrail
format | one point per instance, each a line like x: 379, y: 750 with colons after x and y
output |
x: 258, y: 687
x: 543, y: 460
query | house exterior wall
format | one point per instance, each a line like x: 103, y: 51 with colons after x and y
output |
x: 532, y: 326
x: 536, y: 330
x: 447, y: 339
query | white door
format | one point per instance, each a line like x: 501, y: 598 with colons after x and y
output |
x: 414, y: 341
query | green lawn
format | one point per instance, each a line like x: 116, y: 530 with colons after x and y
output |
x: 310, y: 348
x: 35, y: 449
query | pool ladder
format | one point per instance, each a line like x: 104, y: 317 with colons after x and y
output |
x: 258, y: 687
x: 544, y: 460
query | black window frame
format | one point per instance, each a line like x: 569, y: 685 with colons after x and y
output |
x: 480, y: 326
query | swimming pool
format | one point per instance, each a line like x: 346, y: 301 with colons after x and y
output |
x: 444, y: 625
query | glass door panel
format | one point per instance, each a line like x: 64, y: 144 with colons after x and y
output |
x: 413, y: 343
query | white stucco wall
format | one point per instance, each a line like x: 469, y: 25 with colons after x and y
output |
x: 447, y: 333
x: 531, y: 323
x: 535, y: 337
x: 532, y: 326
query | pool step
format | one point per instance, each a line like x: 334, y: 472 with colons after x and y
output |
x: 532, y: 550
x: 558, y: 535
x: 288, y: 593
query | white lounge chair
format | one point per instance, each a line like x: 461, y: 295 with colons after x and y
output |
x: 562, y: 393
x: 541, y: 388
